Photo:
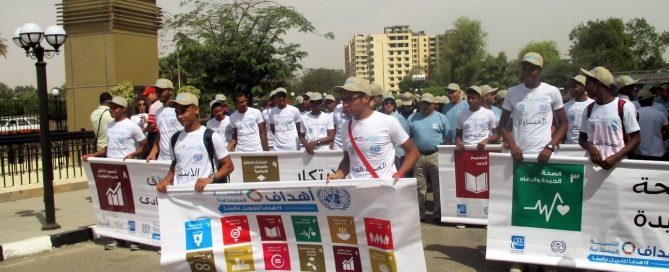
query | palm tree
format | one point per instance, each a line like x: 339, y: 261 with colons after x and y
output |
x: 3, y: 48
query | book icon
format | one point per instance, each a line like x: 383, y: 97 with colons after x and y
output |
x: 476, y: 184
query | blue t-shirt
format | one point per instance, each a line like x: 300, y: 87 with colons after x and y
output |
x: 428, y: 131
x: 452, y: 117
x: 497, y: 111
x: 399, y: 151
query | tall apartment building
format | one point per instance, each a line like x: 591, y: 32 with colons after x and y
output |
x: 389, y: 57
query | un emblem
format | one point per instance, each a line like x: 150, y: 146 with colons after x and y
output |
x: 334, y: 198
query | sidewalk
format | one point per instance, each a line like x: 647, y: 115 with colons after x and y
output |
x: 21, y: 223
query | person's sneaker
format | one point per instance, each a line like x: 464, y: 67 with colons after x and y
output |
x: 134, y: 247
x: 460, y: 226
x: 516, y: 267
x: 112, y: 245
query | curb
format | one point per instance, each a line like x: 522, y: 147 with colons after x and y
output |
x: 44, y: 243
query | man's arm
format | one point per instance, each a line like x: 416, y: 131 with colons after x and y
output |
x: 459, y: 144
x: 153, y: 154
x: 342, y: 169
x: 516, y: 153
x: 410, y: 158
x: 593, y: 152
x: 99, y: 153
x: 139, y: 150
x: 161, y: 186
x: 632, y: 143
x: 233, y: 142
x: 558, y: 136
x: 263, y: 136
x: 492, y: 139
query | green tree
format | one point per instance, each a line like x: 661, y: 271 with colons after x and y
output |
x: 647, y: 45
x: 463, y: 53
x: 7, y: 93
x: 320, y: 80
x: 498, y: 72
x: 602, y: 43
x: 3, y: 48
x: 547, y: 49
x: 237, y: 46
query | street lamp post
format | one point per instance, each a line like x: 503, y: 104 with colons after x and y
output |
x: 29, y: 37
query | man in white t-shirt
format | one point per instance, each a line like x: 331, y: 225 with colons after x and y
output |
x: 603, y: 132
x: 375, y: 135
x: 475, y: 125
x: 220, y: 123
x: 191, y: 164
x: 533, y: 105
x: 125, y: 140
x: 317, y: 127
x: 284, y: 121
x: 339, y: 119
x: 575, y: 108
x: 166, y: 122
x: 269, y: 105
x: 248, y: 127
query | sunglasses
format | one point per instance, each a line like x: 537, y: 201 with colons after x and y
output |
x: 348, y: 99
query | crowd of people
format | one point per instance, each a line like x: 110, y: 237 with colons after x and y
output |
x: 383, y: 136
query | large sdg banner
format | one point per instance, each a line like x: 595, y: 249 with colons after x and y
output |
x: 125, y: 199
x: 283, y: 165
x: 346, y: 225
x: 569, y: 212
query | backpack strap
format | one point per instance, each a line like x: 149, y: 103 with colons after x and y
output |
x: 173, y: 140
x: 590, y: 106
x: 209, y: 145
x: 621, y: 115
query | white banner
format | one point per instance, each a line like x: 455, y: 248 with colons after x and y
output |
x: 571, y: 213
x: 464, y: 183
x: 283, y: 165
x: 346, y: 225
x: 569, y: 150
x: 125, y: 199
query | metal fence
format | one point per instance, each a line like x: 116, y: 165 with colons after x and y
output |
x: 21, y: 161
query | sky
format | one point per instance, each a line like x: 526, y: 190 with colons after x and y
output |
x: 510, y: 25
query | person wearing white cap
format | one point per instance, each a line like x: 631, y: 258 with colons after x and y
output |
x: 488, y: 100
x: 376, y: 92
x: 192, y: 164
x: 316, y: 128
x: 166, y: 122
x: 428, y: 128
x: 220, y: 123
x: 125, y: 140
x: 476, y: 125
x: 610, y: 130
x: 455, y: 96
x: 533, y: 104
x: 248, y: 127
x: 575, y: 108
x: 451, y: 110
x: 284, y: 121
x: 330, y: 103
x: 628, y: 89
x: 370, y: 137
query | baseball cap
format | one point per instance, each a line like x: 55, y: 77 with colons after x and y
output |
x: 120, y: 101
x: 624, y: 81
x: 315, y: 96
x: 272, y: 93
x: 601, y: 74
x: 330, y: 97
x: 164, y: 83
x: 399, y: 102
x: 186, y: 99
x: 407, y: 96
x: 428, y: 97
x: 486, y: 89
x: 299, y: 99
x: 579, y: 79
x: 476, y: 89
x: 280, y: 90
x: 148, y: 90
x: 533, y: 58
x: 218, y: 99
x: 501, y: 94
x: 645, y: 93
x: 453, y: 86
x: 355, y: 84
x: 375, y: 89
x: 444, y: 99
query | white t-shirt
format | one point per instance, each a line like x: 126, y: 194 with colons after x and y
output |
x: 340, y: 120
x: 123, y: 137
x: 270, y: 135
x: 651, y: 121
x: 248, y: 130
x: 141, y: 119
x: 574, y: 110
x: 476, y: 126
x: 316, y: 127
x: 192, y: 157
x: 285, y: 120
x: 222, y: 127
x: 604, y: 127
x: 376, y: 137
x: 167, y: 123
x: 532, y: 111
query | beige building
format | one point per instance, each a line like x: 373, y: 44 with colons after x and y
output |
x: 389, y: 57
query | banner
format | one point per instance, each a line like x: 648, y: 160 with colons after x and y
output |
x: 283, y: 165
x: 125, y: 199
x: 464, y: 180
x: 346, y: 225
x: 569, y: 212
x: 569, y: 150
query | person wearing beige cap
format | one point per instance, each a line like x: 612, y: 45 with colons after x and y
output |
x: 610, y: 130
x: 575, y: 107
x: 533, y: 105
x: 220, y: 122
x: 489, y: 99
x: 166, y: 122
x: 376, y: 92
x: 248, y: 127
x: 454, y: 94
x: 317, y: 127
x: 125, y: 139
x: 284, y: 122
x: 476, y: 125
x: 370, y: 137
x: 330, y: 103
x: 628, y: 89
x: 406, y: 108
x: 428, y: 129
x: 198, y: 154
x: 305, y: 107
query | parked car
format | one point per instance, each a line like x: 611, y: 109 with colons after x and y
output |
x: 18, y: 124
